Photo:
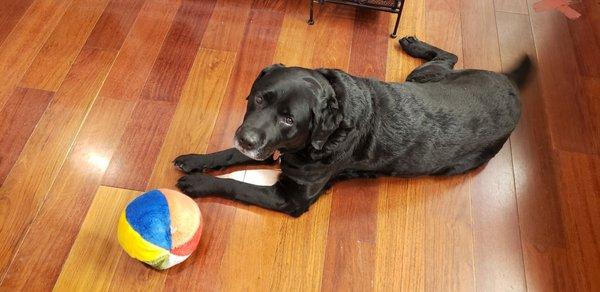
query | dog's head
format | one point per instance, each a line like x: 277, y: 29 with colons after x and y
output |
x: 289, y: 108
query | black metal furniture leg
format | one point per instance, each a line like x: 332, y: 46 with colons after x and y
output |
x: 394, y: 33
x: 311, y: 19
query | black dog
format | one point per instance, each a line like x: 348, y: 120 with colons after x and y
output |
x: 330, y: 125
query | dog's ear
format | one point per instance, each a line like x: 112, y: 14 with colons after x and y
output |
x: 268, y: 69
x: 326, y: 114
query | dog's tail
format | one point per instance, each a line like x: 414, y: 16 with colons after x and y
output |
x: 521, y: 72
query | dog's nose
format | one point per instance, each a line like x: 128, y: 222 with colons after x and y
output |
x: 249, y: 139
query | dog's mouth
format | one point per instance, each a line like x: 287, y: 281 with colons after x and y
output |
x: 259, y: 154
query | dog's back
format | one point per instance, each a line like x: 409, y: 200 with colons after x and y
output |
x: 449, y: 126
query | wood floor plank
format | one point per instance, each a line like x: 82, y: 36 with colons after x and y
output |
x: 350, y: 252
x: 132, y: 164
x: 512, y: 6
x: 400, y: 256
x: 585, y: 32
x: 369, y: 44
x: 23, y: 43
x: 196, y: 113
x: 96, y: 251
x: 480, y: 41
x: 445, y: 16
x: 560, y: 83
x: 298, y: 264
x: 498, y: 261
x: 579, y: 187
x: 448, y: 235
x: 69, y: 198
x: 11, y: 11
x: 269, y: 5
x: 140, y: 49
x: 189, y: 133
x: 171, y: 69
x: 535, y: 179
x: 214, y: 267
x: 17, y: 121
x: 256, y: 52
x: 26, y: 187
x: 412, y: 23
x: 441, y: 207
x: 62, y: 47
x: 114, y: 24
x: 295, y: 33
x: 338, y: 21
x: 228, y: 37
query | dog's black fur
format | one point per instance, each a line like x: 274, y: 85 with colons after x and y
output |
x: 330, y: 125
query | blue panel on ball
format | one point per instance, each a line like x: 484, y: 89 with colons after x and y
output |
x: 149, y: 215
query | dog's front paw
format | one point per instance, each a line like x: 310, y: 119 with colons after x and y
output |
x: 191, y: 163
x: 197, y: 185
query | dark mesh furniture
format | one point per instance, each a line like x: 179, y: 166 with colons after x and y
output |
x: 392, y: 6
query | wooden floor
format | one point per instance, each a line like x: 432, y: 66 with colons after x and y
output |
x: 98, y: 96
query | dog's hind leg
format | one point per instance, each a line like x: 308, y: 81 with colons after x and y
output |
x: 200, y: 162
x: 440, y: 63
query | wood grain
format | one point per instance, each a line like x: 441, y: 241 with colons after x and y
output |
x: 448, y: 239
x: 132, y: 165
x: 498, y: 261
x: 585, y: 32
x: 400, y: 64
x: 400, y: 256
x: 579, y: 188
x: 335, y: 21
x: 69, y: 198
x: 11, y: 11
x: 114, y: 24
x: 369, y: 44
x: 350, y: 252
x: 23, y: 43
x: 447, y: 17
x: 17, y: 121
x: 140, y: 49
x: 62, y: 47
x: 26, y: 187
x: 256, y: 52
x: 96, y: 251
x: 195, y: 115
x: 535, y: 179
x: 176, y: 57
x: 480, y: 41
x: 560, y: 84
x: 524, y: 221
x: 134, y: 159
x: 512, y: 6
x: 189, y: 132
x: 214, y: 261
x: 233, y: 13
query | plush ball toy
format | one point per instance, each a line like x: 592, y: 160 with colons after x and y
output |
x: 160, y: 228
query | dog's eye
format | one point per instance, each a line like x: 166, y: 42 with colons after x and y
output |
x: 258, y: 100
x: 288, y: 120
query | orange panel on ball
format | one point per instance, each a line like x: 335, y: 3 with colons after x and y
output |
x: 185, y: 217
